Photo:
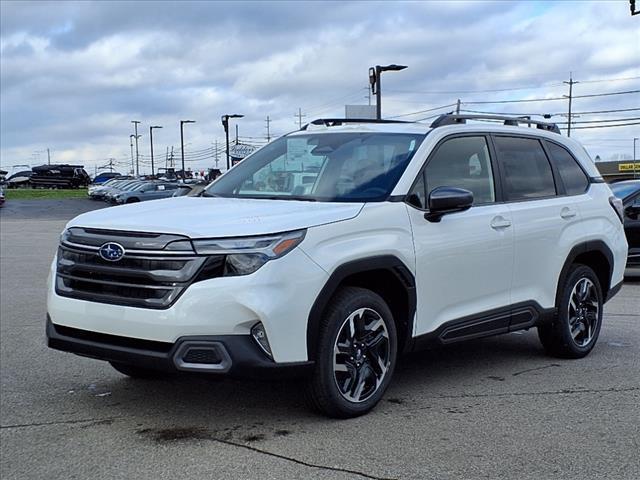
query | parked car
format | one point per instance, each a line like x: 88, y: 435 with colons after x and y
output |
x: 2, y: 185
x: 104, y: 176
x: 97, y: 192
x: 110, y: 195
x: 410, y: 236
x: 189, y: 190
x: 109, y: 188
x: 629, y: 192
x: 19, y: 179
x: 59, y: 176
x: 146, y: 191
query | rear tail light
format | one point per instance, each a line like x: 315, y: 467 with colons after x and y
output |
x: 616, y: 204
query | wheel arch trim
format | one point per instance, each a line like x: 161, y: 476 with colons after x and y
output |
x: 595, y: 246
x: 389, y: 263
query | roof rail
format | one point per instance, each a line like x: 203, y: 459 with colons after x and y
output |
x: 334, y: 122
x: 454, y: 119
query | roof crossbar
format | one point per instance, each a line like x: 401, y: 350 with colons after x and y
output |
x: 454, y: 119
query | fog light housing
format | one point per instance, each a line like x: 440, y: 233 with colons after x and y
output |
x: 259, y: 334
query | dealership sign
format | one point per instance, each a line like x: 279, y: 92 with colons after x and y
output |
x: 628, y: 167
x: 241, y: 151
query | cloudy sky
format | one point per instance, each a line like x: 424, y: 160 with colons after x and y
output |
x: 74, y: 74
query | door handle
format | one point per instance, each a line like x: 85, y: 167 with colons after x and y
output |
x: 500, y: 222
x: 567, y: 213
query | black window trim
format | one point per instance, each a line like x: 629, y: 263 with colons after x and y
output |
x: 559, y: 187
x: 553, y: 162
x: 495, y: 170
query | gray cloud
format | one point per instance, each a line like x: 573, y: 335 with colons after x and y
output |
x: 73, y: 74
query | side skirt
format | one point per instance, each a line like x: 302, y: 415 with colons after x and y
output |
x: 515, y: 317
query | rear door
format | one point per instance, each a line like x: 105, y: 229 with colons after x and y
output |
x: 544, y: 218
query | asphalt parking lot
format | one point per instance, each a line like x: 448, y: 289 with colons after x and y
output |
x: 494, y: 408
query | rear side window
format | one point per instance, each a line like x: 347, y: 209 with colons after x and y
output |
x: 574, y: 179
x: 526, y: 169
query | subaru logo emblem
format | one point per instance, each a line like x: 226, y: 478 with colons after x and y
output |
x: 111, y: 251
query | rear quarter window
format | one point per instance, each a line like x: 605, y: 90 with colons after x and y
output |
x: 573, y: 177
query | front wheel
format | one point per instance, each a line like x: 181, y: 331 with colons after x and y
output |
x: 576, y: 328
x: 356, y: 354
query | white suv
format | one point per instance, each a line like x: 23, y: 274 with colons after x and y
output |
x: 334, y: 249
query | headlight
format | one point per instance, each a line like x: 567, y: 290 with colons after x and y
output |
x: 247, y: 254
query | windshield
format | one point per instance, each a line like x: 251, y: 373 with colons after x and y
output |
x: 330, y: 167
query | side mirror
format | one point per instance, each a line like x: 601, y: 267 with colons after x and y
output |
x: 445, y: 200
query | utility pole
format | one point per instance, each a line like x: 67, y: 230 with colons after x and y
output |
x: 49, y: 157
x: 268, y: 121
x: 299, y: 115
x: 151, y: 140
x: 458, y: 107
x: 166, y: 160
x: 216, y: 151
x: 111, y: 162
x: 236, y: 134
x: 636, y: 167
x: 182, y: 122
x: 571, y: 83
x: 171, y: 158
x: 135, y: 123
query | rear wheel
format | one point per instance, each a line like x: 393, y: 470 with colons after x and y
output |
x: 137, y: 372
x: 575, y: 330
x: 356, y: 354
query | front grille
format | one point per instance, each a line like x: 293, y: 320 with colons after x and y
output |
x: 147, y: 277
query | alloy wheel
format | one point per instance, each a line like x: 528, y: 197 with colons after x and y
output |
x: 583, y: 312
x: 362, y: 355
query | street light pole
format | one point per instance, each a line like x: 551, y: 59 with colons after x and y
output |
x: 135, y: 123
x: 225, y: 124
x: 131, y: 137
x: 182, y: 122
x: 151, y: 140
x: 374, y: 80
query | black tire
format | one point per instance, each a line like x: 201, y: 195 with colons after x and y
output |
x: 323, y: 392
x: 137, y: 372
x: 557, y: 337
x: 132, y: 200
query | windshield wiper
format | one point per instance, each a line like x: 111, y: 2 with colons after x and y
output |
x: 282, y: 197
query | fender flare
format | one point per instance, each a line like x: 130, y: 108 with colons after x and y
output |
x: 389, y: 263
x: 586, y: 247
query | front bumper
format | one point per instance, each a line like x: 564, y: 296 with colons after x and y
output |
x: 279, y: 295
x: 233, y: 355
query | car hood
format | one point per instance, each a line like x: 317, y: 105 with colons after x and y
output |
x: 201, y: 217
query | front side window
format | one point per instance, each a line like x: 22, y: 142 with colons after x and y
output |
x: 331, y: 167
x: 462, y: 162
x: 526, y: 169
x: 574, y: 179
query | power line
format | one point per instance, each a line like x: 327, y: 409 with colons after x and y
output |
x: 608, y: 126
x: 423, y: 111
x: 522, y: 114
x: 604, y: 121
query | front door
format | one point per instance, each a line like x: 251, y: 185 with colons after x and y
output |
x: 464, y: 262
